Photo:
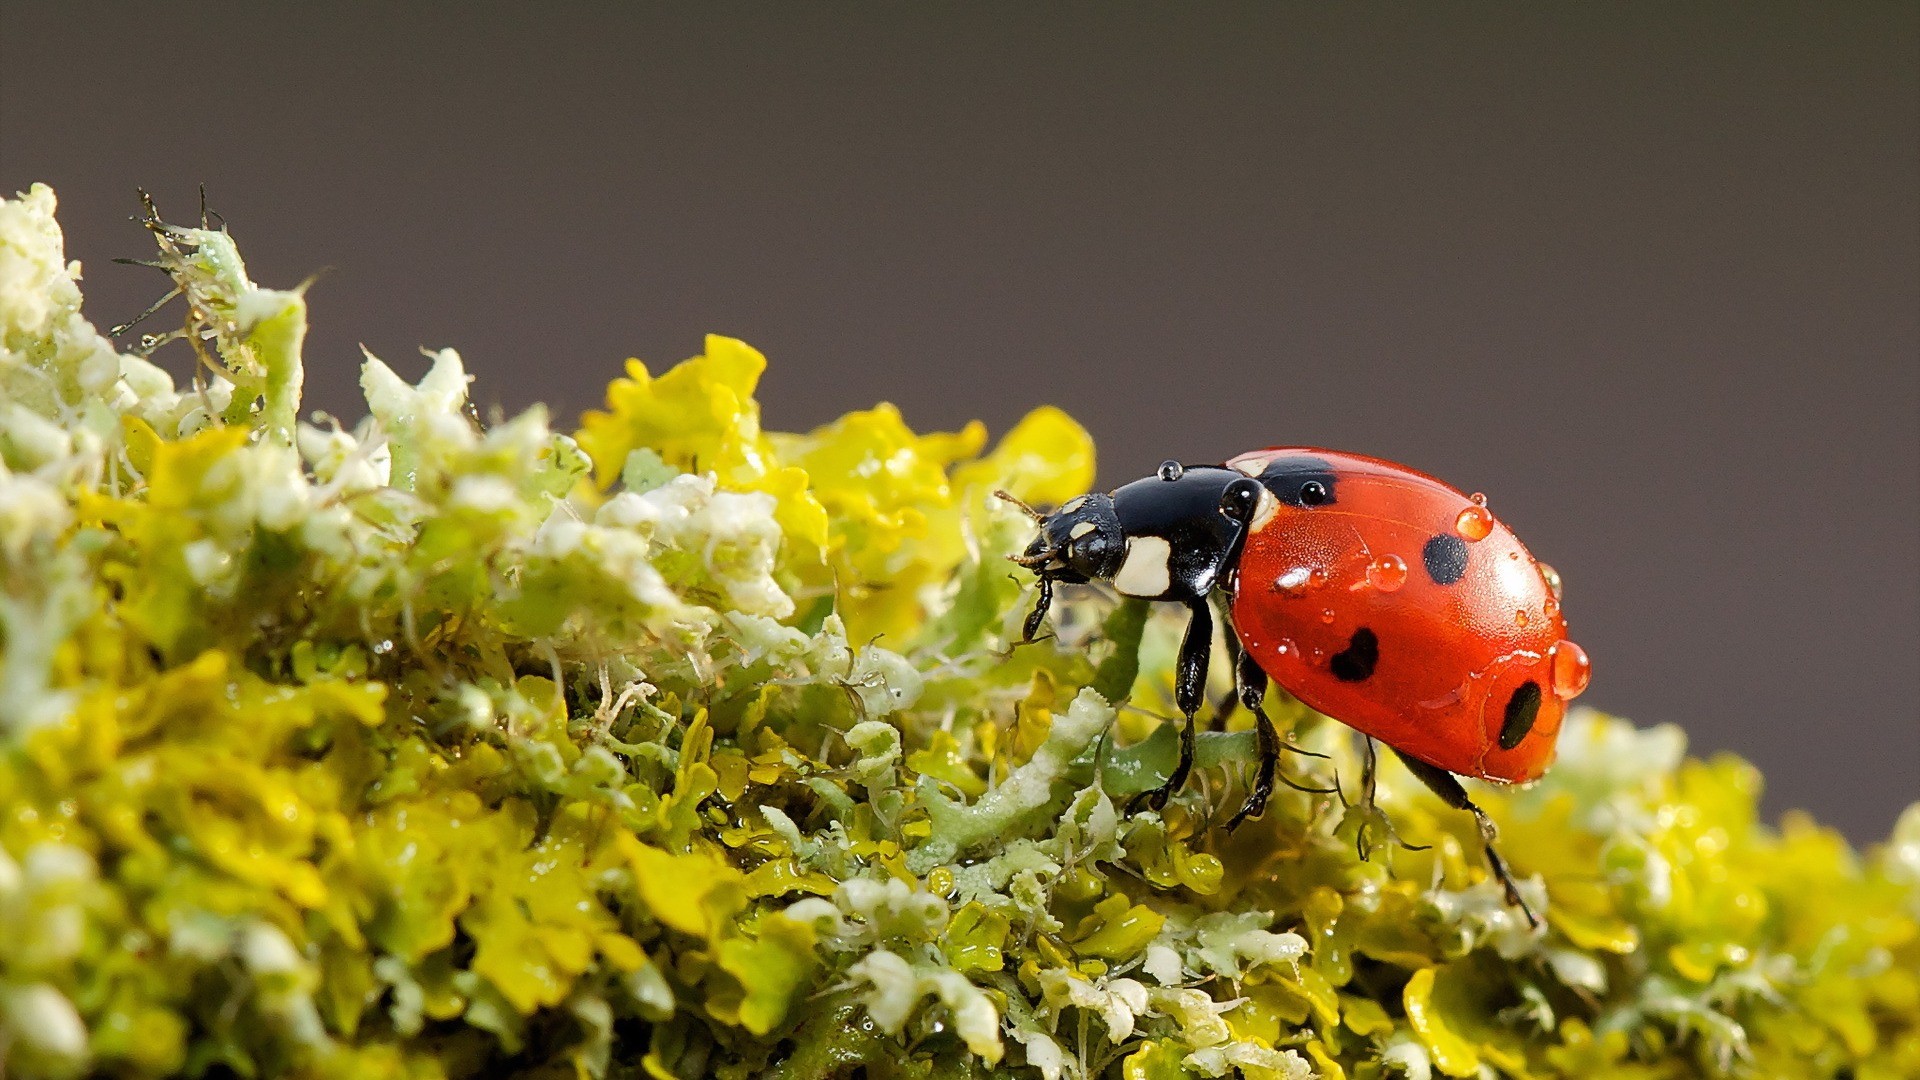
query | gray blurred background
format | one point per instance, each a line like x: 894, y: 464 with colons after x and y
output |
x: 1649, y: 276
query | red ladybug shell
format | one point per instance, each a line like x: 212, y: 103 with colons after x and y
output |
x: 1402, y: 608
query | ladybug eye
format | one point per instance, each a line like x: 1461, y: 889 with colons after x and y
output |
x: 1313, y: 493
x: 1239, y: 500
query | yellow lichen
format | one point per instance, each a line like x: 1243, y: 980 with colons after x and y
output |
x: 675, y: 747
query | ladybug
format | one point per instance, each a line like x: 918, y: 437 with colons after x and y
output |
x: 1374, y: 593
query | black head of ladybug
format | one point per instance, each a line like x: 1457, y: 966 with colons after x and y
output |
x: 1169, y: 536
x: 1080, y: 542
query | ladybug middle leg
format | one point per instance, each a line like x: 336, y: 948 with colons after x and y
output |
x: 1236, y: 658
x: 1447, y: 786
x: 1189, y: 687
x: 1253, y: 694
x: 1251, y: 680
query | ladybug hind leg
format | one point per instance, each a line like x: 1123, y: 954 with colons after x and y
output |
x: 1447, y: 786
x: 1189, y: 687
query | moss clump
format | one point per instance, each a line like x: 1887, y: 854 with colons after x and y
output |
x: 674, y: 747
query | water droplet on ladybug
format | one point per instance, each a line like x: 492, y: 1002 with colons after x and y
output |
x: 1387, y: 573
x: 1326, y: 615
x: 1552, y: 606
x: 1319, y: 577
x: 1172, y: 470
x: 1552, y: 577
x: 1567, y: 665
x: 1477, y: 499
x: 1520, y: 618
x: 1474, y: 523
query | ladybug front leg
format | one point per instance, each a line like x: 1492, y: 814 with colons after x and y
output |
x: 1447, y: 786
x: 1038, y: 617
x: 1189, y: 686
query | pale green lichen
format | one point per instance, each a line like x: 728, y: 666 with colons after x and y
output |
x: 674, y: 747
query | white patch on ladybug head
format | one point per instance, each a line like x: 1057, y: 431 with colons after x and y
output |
x: 1264, y: 512
x: 1073, y: 504
x: 1080, y: 530
x: 1251, y: 466
x: 1145, y: 572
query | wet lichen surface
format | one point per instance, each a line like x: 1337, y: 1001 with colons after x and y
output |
x: 672, y: 747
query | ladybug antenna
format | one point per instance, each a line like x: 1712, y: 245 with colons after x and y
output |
x: 1036, y: 560
x: 1007, y: 496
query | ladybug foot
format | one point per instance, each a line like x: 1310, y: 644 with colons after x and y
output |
x: 1373, y: 830
x: 1154, y: 799
x: 1263, y: 776
x: 1014, y: 647
x: 1255, y: 805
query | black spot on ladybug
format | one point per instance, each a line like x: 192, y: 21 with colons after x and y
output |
x: 1355, y: 663
x: 1301, y: 480
x: 1446, y: 558
x: 1522, y: 709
